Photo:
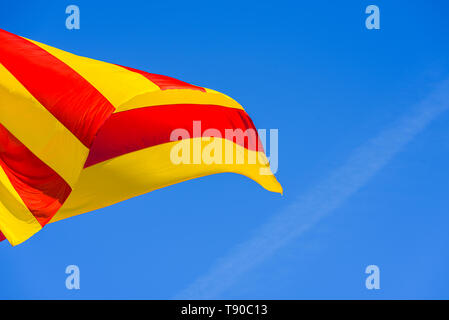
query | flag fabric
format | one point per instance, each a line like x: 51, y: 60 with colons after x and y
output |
x: 78, y: 134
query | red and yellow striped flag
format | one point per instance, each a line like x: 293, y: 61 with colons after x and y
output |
x: 77, y: 134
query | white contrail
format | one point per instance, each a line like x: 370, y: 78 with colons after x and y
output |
x: 321, y: 200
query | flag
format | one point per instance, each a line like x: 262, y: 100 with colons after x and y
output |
x: 78, y: 134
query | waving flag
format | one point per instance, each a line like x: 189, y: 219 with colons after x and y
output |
x: 77, y: 134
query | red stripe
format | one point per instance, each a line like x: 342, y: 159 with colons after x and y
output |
x: 141, y: 128
x: 65, y: 94
x: 42, y: 190
x: 164, y: 82
x: 2, y: 237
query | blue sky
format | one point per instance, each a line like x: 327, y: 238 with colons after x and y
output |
x: 308, y: 68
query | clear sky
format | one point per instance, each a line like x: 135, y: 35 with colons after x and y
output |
x: 308, y: 68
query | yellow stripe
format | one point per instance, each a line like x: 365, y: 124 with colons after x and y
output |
x: 115, y: 83
x: 149, y: 169
x: 16, y: 222
x: 179, y: 96
x: 39, y: 130
x: 129, y: 90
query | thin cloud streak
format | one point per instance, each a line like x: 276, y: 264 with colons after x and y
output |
x: 321, y: 200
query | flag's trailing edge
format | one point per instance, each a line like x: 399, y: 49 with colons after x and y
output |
x: 77, y: 134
